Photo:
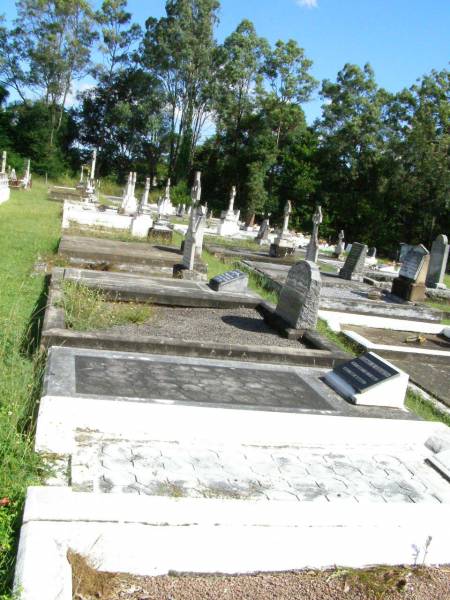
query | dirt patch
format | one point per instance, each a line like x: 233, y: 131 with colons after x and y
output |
x: 381, y: 583
x: 406, y: 339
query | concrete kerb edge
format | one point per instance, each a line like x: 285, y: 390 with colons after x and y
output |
x: 55, y: 333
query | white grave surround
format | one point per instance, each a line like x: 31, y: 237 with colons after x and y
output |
x: 152, y: 535
x: 5, y: 192
x: 90, y: 216
x: 389, y: 391
x: 229, y: 224
x: 337, y: 321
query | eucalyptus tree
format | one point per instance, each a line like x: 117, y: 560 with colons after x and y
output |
x: 179, y: 51
x: 46, y: 50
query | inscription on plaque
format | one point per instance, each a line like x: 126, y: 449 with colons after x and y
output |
x: 231, y: 280
x: 413, y: 263
x: 364, y: 372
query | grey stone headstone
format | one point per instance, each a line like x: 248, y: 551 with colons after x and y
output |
x: 404, y: 249
x: 413, y: 263
x: 353, y: 268
x: 299, y: 299
x: 189, y: 253
x: 438, y: 262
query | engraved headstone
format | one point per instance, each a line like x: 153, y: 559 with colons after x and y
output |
x: 263, y: 233
x: 312, y: 252
x: 353, y: 269
x: 231, y: 281
x: 410, y: 284
x: 299, y: 298
x: 370, y: 380
x: 438, y: 262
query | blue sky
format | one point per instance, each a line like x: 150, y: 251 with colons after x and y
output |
x: 402, y: 39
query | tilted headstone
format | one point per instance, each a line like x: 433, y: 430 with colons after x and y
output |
x: 403, y: 251
x: 299, y: 299
x: 312, y: 252
x: 438, y: 262
x: 231, y: 281
x: 410, y: 284
x: 370, y: 380
x: 263, y: 233
x: 353, y: 268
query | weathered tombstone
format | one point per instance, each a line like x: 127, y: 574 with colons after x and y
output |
x: 299, y: 298
x: 190, y: 268
x: 129, y: 203
x: 410, y: 284
x: 144, y: 201
x: 263, y: 233
x: 229, y: 220
x: 403, y: 251
x: 370, y: 380
x: 353, y: 268
x: 231, y: 281
x: 283, y: 245
x: 312, y: 252
x: 438, y: 262
x: 340, y: 246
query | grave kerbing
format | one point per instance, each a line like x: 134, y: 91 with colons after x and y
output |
x: 299, y: 299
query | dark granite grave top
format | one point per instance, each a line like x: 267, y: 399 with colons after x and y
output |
x: 198, y: 382
x: 364, y: 372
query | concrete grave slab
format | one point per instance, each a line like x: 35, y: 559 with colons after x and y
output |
x: 144, y: 536
x: 149, y: 379
x: 115, y: 255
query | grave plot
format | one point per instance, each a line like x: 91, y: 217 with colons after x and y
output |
x: 187, y: 318
x: 341, y: 295
x: 117, y: 256
x: 423, y: 352
x: 167, y: 458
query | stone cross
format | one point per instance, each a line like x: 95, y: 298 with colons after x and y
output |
x: 144, y: 201
x: 3, y: 162
x: 287, y: 214
x: 27, y: 170
x: 232, y: 199
x: 299, y: 299
x: 193, y: 239
x: 167, y: 191
x: 94, y: 161
x: 312, y: 253
x: 196, y: 191
x: 340, y: 246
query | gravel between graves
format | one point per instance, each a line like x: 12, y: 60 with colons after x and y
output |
x: 226, y: 326
x: 387, y: 584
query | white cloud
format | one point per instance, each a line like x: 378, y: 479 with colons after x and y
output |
x: 307, y: 3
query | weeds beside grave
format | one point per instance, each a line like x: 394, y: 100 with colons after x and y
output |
x: 29, y: 227
x: 86, y: 309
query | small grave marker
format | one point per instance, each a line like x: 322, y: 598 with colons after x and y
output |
x: 231, y: 281
x: 370, y: 380
x: 438, y: 262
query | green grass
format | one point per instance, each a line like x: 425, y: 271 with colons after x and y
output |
x: 424, y: 409
x: 443, y: 306
x: 232, y: 243
x: 87, y: 309
x: 29, y: 226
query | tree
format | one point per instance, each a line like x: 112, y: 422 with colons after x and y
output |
x: 179, y: 51
x: 48, y: 49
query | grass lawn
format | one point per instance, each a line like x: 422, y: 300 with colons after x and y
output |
x: 29, y: 226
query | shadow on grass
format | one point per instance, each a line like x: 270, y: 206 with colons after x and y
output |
x: 32, y: 333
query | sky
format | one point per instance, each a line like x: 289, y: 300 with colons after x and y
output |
x: 401, y: 39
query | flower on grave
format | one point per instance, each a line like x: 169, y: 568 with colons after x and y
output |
x: 5, y: 501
